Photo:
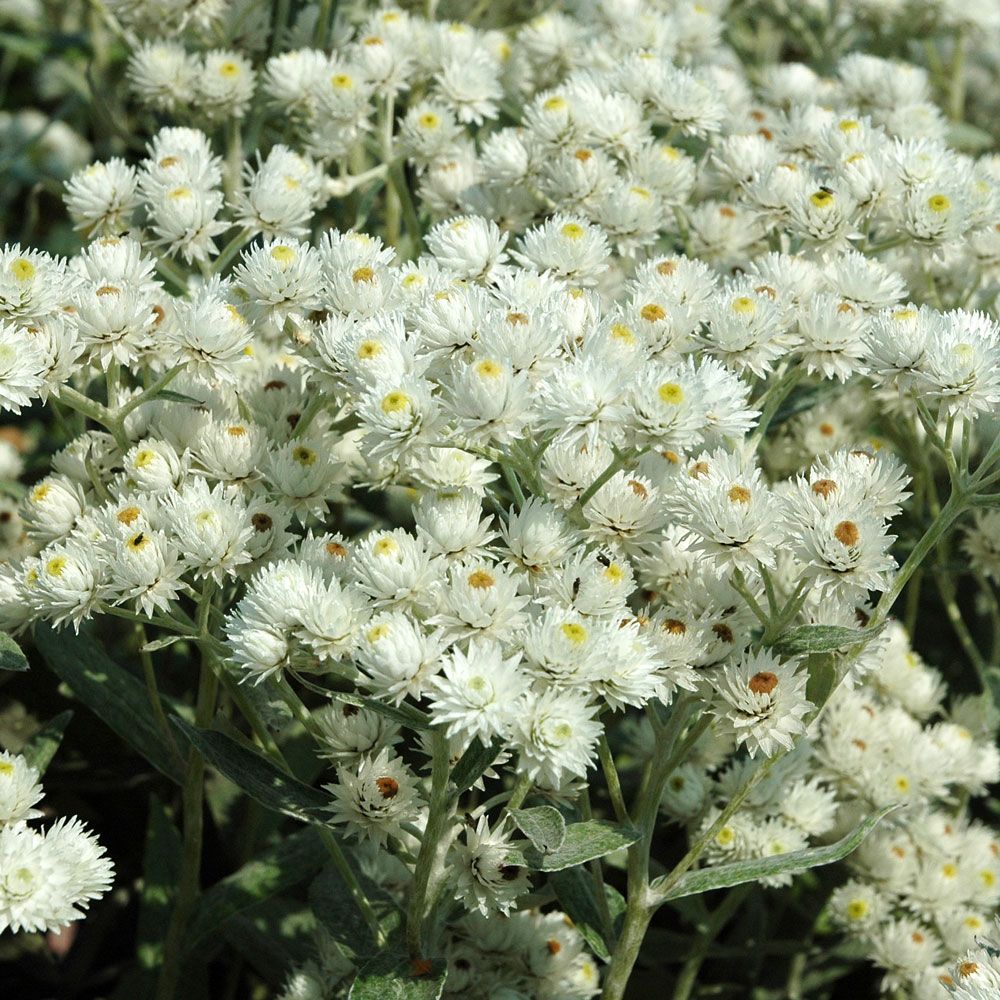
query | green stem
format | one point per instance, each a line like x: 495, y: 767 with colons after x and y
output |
x: 155, y: 702
x: 621, y: 459
x: 949, y: 513
x: 432, y: 846
x: 192, y: 801
x: 230, y: 250
x: 688, y: 976
x: 956, y: 80
x: 773, y: 398
x: 614, y: 783
x: 393, y: 205
x: 397, y: 178
x: 358, y: 894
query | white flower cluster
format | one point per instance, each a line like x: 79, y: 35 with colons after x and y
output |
x: 926, y: 883
x: 644, y: 400
x: 47, y: 878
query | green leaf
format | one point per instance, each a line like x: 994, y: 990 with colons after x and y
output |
x: 583, y: 842
x: 161, y: 872
x: 392, y: 976
x: 969, y: 138
x: 274, y: 937
x: 331, y: 901
x: 805, y: 639
x: 172, y: 396
x: 578, y: 897
x: 156, y: 644
x: 822, y: 672
x: 288, y: 863
x: 110, y: 692
x: 402, y: 715
x: 11, y: 655
x: 542, y: 825
x: 474, y: 763
x: 738, y: 872
x: 42, y: 747
x: 256, y: 775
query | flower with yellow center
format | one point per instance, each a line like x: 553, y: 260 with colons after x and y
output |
x: 572, y: 231
x: 488, y: 369
x: 574, y: 632
x: 283, y: 254
x: 395, y: 402
x: 22, y: 269
x: 822, y: 198
x: 671, y: 393
x: 939, y: 203
x: 385, y: 547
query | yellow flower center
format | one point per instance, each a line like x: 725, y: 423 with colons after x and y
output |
x: 22, y: 269
x: 671, y: 393
x: 395, y: 402
x: 575, y: 632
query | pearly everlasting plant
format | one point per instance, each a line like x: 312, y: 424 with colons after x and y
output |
x: 502, y: 472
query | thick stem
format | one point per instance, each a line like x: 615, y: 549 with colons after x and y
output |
x: 431, y: 846
x: 192, y: 803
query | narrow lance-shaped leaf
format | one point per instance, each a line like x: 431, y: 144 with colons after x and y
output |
x: 11, y: 655
x: 577, y: 894
x: 738, y: 872
x: 110, y: 692
x: 256, y: 775
x: 473, y: 764
x: 288, y: 863
x: 805, y: 639
x: 42, y: 747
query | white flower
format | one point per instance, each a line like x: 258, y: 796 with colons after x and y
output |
x: 487, y: 878
x: 762, y: 702
x: 22, y: 364
x: 476, y: 691
x: 20, y: 789
x: 567, y: 248
x: 210, y: 528
x: 556, y: 734
x: 102, y: 197
x: 725, y: 502
x: 469, y: 246
x: 398, y: 657
x: 373, y: 801
x: 48, y: 879
x: 224, y: 84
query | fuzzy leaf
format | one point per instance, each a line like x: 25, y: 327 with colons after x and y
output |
x: 392, y: 976
x: 172, y: 396
x: 42, y: 747
x: 542, y: 825
x: 11, y: 655
x: 583, y: 842
x: 738, y: 872
x: 289, y: 862
x: 256, y: 775
x: 805, y: 639
x: 968, y: 137
x: 578, y: 897
x: 402, y: 715
x: 168, y: 640
x: 116, y: 697
x: 335, y: 909
x: 473, y: 764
